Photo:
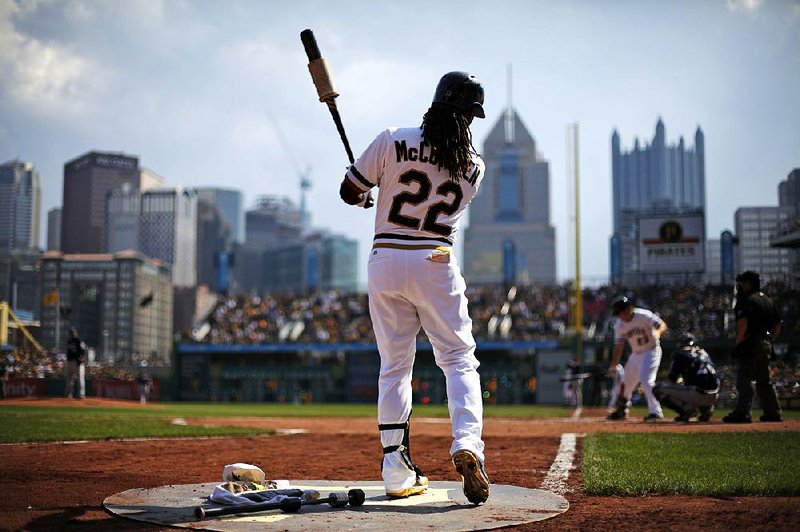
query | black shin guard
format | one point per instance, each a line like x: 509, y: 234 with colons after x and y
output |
x: 403, y: 448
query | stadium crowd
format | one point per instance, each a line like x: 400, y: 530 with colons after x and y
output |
x: 520, y: 313
x: 523, y: 313
x: 25, y: 362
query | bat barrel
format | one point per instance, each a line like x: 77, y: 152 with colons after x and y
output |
x: 356, y: 497
x: 310, y: 44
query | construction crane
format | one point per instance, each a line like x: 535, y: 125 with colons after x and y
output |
x: 5, y: 312
x: 305, y: 176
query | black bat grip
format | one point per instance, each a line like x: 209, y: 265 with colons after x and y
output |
x: 310, y: 44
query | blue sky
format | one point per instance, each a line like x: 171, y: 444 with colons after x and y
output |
x: 198, y: 90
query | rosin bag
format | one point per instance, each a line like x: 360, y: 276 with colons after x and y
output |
x: 240, y: 479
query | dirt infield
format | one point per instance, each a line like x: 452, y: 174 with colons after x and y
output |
x: 51, y: 486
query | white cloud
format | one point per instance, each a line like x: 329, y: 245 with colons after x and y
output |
x: 39, y: 75
x: 747, y: 6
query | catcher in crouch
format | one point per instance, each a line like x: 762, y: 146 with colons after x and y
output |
x: 427, y: 176
x: 693, y: 383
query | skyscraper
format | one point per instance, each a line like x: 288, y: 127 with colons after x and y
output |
x: 786, y: 235
x: 789, y: 193
x: 510, y: 238
x: 274, y: 223
x: 20, y: 205
x: 229, y: 204
x: 322, y: 261
x: 168, y: 231
x: 121, y: 304
x: 651, y: 181
x: 213, y: 246
x: 123, y: 208
x: 54, y: 228
x: 88, y: 180
x: 754, y: 227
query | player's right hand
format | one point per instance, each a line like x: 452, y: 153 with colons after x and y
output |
x: 350, y: 194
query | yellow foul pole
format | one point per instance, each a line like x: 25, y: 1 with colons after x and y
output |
x: 3, y: 323
x: 578, y: 291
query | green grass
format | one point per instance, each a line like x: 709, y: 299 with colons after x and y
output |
x: 21, y: 423
x: 641, y: 411
x: 28, y: 424
x: 714, y: 464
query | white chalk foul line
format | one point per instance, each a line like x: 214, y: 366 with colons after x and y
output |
x: 556, y: 479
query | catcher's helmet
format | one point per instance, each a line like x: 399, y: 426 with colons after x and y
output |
x: 461, y: 90
x: 687, y: 340
x: 619, y: 304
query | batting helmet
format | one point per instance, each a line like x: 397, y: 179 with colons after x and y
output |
x: 619, y: 304
x: 461, y: 90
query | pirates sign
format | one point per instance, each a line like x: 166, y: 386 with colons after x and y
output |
x: 672, y: 244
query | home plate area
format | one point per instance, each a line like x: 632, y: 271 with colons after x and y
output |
x: 442, y: 507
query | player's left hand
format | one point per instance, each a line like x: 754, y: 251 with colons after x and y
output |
x: 367, y: 201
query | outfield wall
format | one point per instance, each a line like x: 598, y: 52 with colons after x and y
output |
x: 511, y: 373
x: 54, y: 387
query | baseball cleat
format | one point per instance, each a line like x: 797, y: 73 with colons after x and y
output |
x: 775, y: 418
x: 474, y: 480
x: 736, y: 417
x: 705, y: 414
x: 653, y: 418
x: 617, y: 415
x: 419, y: 487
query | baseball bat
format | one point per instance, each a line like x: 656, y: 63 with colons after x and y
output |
x: 340, y: 499
x: 286, y: 504
x: 327, y: 93
x: 321, y: 77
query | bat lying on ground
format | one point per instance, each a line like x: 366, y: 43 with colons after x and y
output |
x: 336, y: 499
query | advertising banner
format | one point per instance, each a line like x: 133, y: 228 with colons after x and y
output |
x: 672, y: 244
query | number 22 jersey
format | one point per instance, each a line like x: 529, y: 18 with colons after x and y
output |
x: 418, y: 204
x: 639, y: 331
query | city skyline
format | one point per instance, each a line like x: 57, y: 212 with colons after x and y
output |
x: 209, y: 94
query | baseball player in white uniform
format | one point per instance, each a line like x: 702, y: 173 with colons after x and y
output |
x: 617, y: 373
x: 642, y: 330
x: 427, y: 176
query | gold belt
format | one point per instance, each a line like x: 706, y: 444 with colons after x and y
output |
x: 443, y: 249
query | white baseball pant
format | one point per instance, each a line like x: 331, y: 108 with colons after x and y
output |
x: 408, y: 290
x: 642, y: 368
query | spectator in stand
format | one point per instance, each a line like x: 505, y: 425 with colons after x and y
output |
x: 523, y: 313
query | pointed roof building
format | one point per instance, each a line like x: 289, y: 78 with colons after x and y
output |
x: 510, y: 239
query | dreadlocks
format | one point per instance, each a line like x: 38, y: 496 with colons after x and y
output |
x: 446, y: 130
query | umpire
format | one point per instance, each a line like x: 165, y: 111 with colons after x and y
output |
x: 757, y: 324
x: 692, y: 384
